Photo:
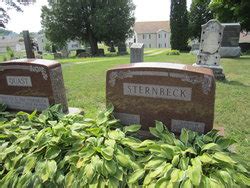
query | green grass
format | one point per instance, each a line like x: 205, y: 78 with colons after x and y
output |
x: 85, y: 83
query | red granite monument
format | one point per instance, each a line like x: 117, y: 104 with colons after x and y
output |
x: 32, y: 84
x: 181, y: 96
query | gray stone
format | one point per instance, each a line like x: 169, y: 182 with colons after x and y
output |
x: 230, y: 51
x: 208, y: 56
x: 231, y: 35
x: 136, y: 53
x: 230, y: 41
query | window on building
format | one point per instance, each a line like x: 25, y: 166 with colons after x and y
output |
x: 165, y: 35
x: 149, y: 45
x: 149, y: 36
x: 159, y: 45
x: 143, y: 36
x: 159, y: 35
x: 165, y: 45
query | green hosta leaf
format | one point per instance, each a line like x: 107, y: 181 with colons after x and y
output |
x: 52, y: 152
x: 205, y: 182
x: 136, y: 176
x: 119, y: 173
x: 153, y: 163
x: 89, y: 172
x: 195, y: 172
x: 186, y: 184
x: 29, y: 165
x: 154, y: 132
x: 225, y: 143
x: 113, y: 183
x: 162, y: 183
x: 124, y: 160
x: 46, y: 169
x: 211, y: 146
x: 223, y: 157
x: 206, y: 158
x: 116, y: 134
x: 183, y: 164
x: 175, y: 160
x: 132, y: 128
x: 111, y: 166
x: 177, y: 175
x: 107, y: 153
x: 184, y: 136
x: 242, y: 179
x: 159, y: 126
x: 225, y: 177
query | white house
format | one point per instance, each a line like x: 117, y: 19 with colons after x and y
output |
x: 155, y: 34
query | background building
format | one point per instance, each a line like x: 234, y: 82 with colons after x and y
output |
x: 155, y: 34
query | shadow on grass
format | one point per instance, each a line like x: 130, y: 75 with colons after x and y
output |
x: 244, y: 57
x: 233, y: 83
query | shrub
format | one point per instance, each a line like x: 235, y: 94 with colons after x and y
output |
x: 173, y: 52
x: 57, y: 150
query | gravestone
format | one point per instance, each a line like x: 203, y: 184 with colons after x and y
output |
x: 181, y: 96
x: 112, y: 47
x: 28, y: 45
x: 230, y: 41
x: 32, y: 84
x: 208, y: 56
x: 137, y: 53
x: 122, y: 49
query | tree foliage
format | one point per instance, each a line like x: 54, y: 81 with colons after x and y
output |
x: 88, y: 21
x: 199, y: 15
x: 179, y: 24
x: 232, y: 11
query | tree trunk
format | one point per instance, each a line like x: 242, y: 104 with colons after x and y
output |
x: 93, y: 44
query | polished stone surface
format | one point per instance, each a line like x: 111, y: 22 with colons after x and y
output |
x: 32, y: 84
x: 181, y: 96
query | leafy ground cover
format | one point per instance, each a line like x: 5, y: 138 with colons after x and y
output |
x: 56, y: 150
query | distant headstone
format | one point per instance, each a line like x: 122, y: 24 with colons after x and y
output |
x: 112, y: 47
x: 101, y: 52
x: 208, y: 56
x: 28, y: 45
x: 181, y: 96
x: 32, y: 84
x: 137, y: 53
x: 230, y: 41
x: 122, y: 49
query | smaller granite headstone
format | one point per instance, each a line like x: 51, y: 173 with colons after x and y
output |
x: 208, y: 56
x: 230, y: 41
x: 181, y: 96
x: 112, y: 47
x: 32, y: 84
x: 137, y: 53
x: 122, y: 49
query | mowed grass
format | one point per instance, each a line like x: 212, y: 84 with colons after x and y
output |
x: 85, y: 83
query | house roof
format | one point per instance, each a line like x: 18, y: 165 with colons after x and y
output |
x: 151, y: 27
x: 244, y: 38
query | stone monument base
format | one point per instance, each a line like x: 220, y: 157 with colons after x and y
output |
x: 230, y: 51
x: 217, y: 70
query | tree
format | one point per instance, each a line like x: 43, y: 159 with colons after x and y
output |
x: 199, y: 15
x: 179, y: 24
x: 90, y: 21
x: 232, y: 11
x: 8, y: 4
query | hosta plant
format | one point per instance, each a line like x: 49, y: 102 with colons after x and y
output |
x: 52, y: 149
x: 193, y: 160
